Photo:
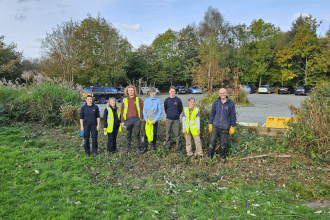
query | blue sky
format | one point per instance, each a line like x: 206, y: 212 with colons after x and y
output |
x: 25, y: 22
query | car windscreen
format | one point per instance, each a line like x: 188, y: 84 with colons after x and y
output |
x: 264, y: 86
x: 87, y: 90
x: 300, y: 87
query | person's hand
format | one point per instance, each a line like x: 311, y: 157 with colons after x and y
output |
x: 153, y: 122
x: 184, y: 131
x: 147, y: 122
x: 97, y: 128
x: 210, y: 128
x: 122, y: 124
x: 81, y: 128
x: 231, y: 130
x: 198, y: 131
x: 104, y: 129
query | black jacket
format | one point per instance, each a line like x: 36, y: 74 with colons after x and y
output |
x: 89, y: 114
x: 115, y: 117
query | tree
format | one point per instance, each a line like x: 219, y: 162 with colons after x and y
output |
x: 297, y: 59
x: 86, y: 52
x: 9, y: 61
x: 264, y: 39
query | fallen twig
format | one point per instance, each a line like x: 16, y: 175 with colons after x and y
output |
x: 266, y: 155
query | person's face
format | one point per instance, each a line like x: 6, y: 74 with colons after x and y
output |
x: 112, y: 102
x: 222, y: 93
x: 172, y: 93
x: 152, y: 94
x: 191, y: 103
x: 130, y: 91
x: 89, y: 100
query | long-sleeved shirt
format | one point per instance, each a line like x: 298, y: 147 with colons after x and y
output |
x: 223, y: 115
x: 198, y: 117
x: 89, y: 114
x: 173, y: 108
x: 132, y: 112
x: 152, y: 108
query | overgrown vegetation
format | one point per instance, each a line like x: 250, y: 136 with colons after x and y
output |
x: 311, y: 133
x: 240, y: 98
x: 47, y: 101
x: 44, y: 174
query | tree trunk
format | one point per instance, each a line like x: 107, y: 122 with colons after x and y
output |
x: 260, y: 81
x: 306, y: 72
x: 209, y: 76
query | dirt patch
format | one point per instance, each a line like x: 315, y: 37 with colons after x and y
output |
x: 319, y: 204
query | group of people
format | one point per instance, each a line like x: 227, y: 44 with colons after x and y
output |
x: 135, y: 113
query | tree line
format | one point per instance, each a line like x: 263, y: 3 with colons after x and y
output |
x: 210, y: 54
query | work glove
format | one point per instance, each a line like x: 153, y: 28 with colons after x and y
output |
x: 210, y: 128
x: 231, y: 130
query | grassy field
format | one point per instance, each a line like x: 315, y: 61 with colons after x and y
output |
x: 45, y: 175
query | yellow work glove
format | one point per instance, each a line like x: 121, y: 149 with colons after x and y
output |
x: 210, y: 128
x: 231, y: 130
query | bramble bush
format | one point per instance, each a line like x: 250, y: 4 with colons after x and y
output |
x: 241, y: 99
x: 46, y: 101
x: 311, y: 133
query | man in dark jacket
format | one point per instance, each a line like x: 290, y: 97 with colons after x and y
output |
x: 90, y: 124
x: 222, y: 123
x: 173, y: 109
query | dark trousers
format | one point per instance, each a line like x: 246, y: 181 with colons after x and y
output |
x: 153, y: 143
x: 90, y: 129
x: 112, y: 139
x: 176, y: 127
x: 224, y: 134
x: 136, y: 126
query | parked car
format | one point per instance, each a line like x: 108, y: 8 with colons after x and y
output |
x: 102, y: 94
x: 266, y: 89
x: 181, y: 89
x: 120, y: 88
x: 195, y: 89
x: 248, y: 88
x: 302, y: 90
x: 145, y: 90
x: 285, y: 89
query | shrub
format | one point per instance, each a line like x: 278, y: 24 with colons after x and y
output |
x: 311, y: 133
x: 48, y: 103
x: 237, y: 99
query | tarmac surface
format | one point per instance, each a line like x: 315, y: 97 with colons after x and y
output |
x: 264, y: 105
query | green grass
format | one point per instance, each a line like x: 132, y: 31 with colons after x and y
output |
x: 45, y: 175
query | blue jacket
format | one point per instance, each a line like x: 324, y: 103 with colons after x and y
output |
x: 223, y: 115
x: 89, y: 114
x: 173, y: 108
x: 152, y: 108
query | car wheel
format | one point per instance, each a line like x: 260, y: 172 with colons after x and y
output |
x: 295, y: 94
x: 269, y: 92
x: 102, y: 100
x: 289, y: 92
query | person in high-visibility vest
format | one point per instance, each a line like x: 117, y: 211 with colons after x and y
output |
x: 191, y: 127
x: 131, y: 117
x: 222, y: 123
x: 152, y: 110
x: 112, y: 125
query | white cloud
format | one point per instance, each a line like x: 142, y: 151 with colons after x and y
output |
x: 297, y: 15
x: 134, y: 27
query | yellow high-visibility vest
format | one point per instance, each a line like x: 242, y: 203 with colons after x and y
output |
x: 149, y: 130
x: 126, y: 107
x: 110, y: 120
x: 191, y: 122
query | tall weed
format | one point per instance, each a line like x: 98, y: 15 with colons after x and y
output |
x: 311, y: 133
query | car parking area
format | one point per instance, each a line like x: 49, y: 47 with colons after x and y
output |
x: 264, y: 105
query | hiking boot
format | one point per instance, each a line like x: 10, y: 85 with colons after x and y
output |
x: 223, y: 160
x: 94, y: 154
x: 87, y: 154
x: 144, y: 151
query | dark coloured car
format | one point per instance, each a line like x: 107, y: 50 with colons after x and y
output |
x: 102, y: 94
x: 181, y: 89
x: 288, y: 89
x: 302, y: 90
